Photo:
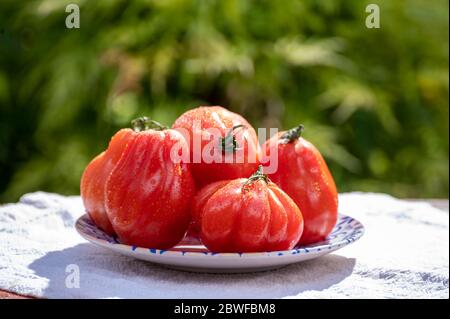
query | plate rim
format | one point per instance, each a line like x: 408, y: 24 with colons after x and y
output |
x: 358, y: 228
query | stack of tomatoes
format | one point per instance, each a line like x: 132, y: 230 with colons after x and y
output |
x: 208, y: 177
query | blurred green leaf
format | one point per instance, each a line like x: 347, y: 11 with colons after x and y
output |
x: 373, y: 101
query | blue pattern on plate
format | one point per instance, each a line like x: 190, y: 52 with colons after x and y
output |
x: 346, y: 231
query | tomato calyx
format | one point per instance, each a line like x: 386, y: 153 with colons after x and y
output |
x: 292, y: 134
x: 144, y: 123
x: 256, y: 176
x: 228, y: 143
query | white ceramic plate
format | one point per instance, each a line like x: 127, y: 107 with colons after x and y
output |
x: 190, y: 255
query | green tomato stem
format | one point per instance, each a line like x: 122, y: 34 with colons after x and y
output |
x: 229, y: 143
x: 144, y: 123
x: 292, y: 134
x: 258, y: 175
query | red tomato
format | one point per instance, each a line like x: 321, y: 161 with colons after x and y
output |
x: 303, y: 174
x: 199, y: 201
x: 235, y: 144
x: 148, y: 193
x: 247, y: 215
x: 92, y: 186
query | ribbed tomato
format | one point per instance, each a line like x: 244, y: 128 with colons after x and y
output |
x: 200, y: 199
x: 247, y: 215
x: 223, y: 145
x: 303, y: 174
x: 92, y: 186
x: 149, y: 191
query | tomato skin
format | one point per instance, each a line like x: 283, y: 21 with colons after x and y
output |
x: 196, y: 123
x: 148, y: 195
x: 253, y: 217
x: 93, y: 180
x: 303, y: 174
x: 199, y: 200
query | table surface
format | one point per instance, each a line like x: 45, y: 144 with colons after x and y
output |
x: 442, y: 204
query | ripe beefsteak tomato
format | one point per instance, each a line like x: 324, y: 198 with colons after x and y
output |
x: 303, y: 174
x: 223, y: 145
x: 148, y: 193
x: 93, y: 180
x: 199, y: 201
x: 247, y: 215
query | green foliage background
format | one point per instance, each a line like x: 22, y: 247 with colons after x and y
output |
x: 374, y: 101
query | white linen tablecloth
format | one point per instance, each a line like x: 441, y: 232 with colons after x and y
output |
x: 403, y: 254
